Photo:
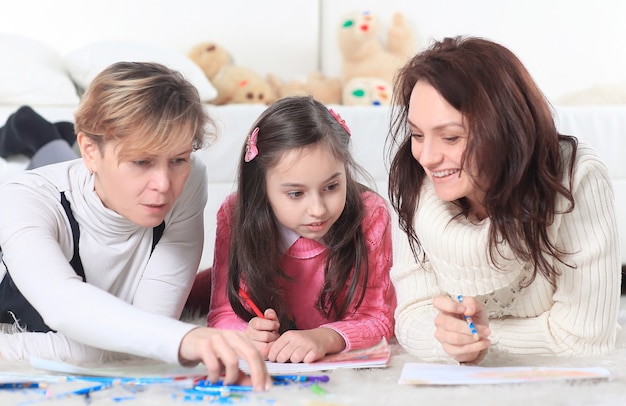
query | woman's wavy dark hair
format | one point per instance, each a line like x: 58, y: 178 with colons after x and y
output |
x: 513, y: 142
x: 255, y: 257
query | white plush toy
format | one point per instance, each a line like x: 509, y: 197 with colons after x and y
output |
x: 364, y: 57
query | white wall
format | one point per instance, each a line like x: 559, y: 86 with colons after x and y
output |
x: 567, y: 45
x: 278, y: 36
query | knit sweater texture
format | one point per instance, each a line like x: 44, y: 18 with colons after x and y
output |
x: 577, y: 317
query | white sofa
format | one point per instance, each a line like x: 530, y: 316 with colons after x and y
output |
x: 604, y: 128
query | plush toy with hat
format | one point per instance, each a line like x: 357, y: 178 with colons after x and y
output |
x: 368, y: 67
x: 326, y: 90
x: 234, y: 84
x: 366, y: 91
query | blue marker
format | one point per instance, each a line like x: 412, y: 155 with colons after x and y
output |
x: 85, y: 391
x: 22, y: 385
x: 301, y: 378
x: 469, y: 320
x: 219, y: 387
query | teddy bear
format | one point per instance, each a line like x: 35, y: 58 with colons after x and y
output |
x: 326, y: 90
x: 365, y: 58
x: 234, y: 84
x: 210, y: 57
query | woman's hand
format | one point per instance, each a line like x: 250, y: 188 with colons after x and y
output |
x: 305, y: 345
x: 218, y: 350
x: 453, y: 332
x: 263, y: 331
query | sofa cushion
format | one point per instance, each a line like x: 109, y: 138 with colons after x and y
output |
x: 33, y: 74
x: 86, y: 62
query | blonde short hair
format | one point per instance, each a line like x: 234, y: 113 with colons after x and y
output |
x: 146, y: 106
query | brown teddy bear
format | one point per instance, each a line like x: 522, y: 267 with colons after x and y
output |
x: 234, y: 84
x: 324, y: 89
x: 210, y: 57
x: 365, y: 58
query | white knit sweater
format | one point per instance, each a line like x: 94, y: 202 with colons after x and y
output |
x: 578, y: 317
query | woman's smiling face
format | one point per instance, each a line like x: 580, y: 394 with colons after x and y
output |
x: 438, y: 141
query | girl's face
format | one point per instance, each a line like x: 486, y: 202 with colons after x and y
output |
x: 439, y: 138
x: 142, y: 189
x: 307, y: 190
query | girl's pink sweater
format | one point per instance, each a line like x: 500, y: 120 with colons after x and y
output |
x: 304, y: 262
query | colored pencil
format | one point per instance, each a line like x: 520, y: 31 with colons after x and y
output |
x: 254, y: 307
x: 22, y: 385
x: 469, y: 321
x: 301, y: 378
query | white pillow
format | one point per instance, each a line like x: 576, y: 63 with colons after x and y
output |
x: 33, y: 73
x: 85, y: 63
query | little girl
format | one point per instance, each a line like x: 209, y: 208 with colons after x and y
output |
x: 302, y: 241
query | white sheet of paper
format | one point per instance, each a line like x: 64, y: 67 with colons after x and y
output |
x: 137, y: 370
x: 377, y: 356
x: 436, y: 374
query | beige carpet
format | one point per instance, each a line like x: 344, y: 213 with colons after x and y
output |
x: 380, y: 387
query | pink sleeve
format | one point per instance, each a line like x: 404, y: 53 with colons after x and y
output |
x: 221, y: 314
x: 374, y: 318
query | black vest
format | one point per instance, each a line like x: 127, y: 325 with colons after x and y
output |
x: 14, y: 306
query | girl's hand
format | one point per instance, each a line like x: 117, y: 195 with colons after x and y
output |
x: 263, y: 331
x: 218, y: 350
x: 305, y: 345
x: 453, y: 332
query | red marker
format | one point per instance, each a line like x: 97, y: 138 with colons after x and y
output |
x: 251, y: 303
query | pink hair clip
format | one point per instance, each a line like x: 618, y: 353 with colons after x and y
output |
x: 339, y: 120
x: 251, y: 150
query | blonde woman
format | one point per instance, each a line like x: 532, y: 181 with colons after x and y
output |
x: 99, y: 253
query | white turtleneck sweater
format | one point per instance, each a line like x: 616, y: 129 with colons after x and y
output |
x: 132, y: 299
x: 578, y: 317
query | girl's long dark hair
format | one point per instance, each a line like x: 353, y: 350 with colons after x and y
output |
x: 255, y: 257
x: 513, y: 142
